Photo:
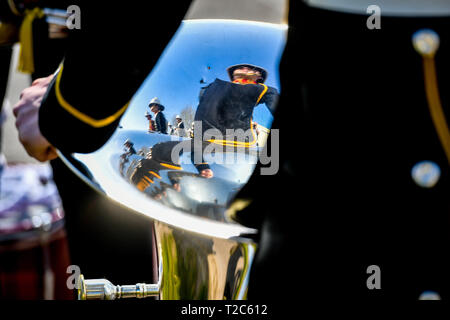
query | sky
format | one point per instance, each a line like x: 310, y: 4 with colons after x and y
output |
x: 203, y: 49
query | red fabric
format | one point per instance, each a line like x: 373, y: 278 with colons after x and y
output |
x: 22, y: 271
x: 244, y: 81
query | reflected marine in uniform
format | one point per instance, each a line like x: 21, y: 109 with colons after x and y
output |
x: 160, y: 120
x: 129, y: 147
x: 223, y: 105
x: 128, y: 152
x: 151, y: 122
x: 371, y: 108
x: 229, y: 105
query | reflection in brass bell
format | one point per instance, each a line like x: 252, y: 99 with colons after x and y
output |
x: 426, y: 174
x: 188, y: 209
x: 426, y: 42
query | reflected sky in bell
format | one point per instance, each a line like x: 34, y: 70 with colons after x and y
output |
x: 202, y: 50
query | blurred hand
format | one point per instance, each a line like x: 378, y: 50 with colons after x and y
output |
x: 26, y: 112
x: 207, y: 173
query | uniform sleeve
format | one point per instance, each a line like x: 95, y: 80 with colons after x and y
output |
x: 157, y: 123
x: 106, y: 61
x: 270, y: 98
x: 163, y: 123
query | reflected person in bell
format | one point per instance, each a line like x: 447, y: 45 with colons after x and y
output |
x: 226, y: 105
x: 160, y: 120
x: 151, y: 122
x: 229, y: 104
x: 129, y: 147
x: 179, y: 126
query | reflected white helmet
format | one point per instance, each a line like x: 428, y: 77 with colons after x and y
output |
x: 263, y: 71
x: 155, y: 100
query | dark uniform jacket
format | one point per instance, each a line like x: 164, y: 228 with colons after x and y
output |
x: 344, y: 182
x: 225, y: 105
x: 160, y: 123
